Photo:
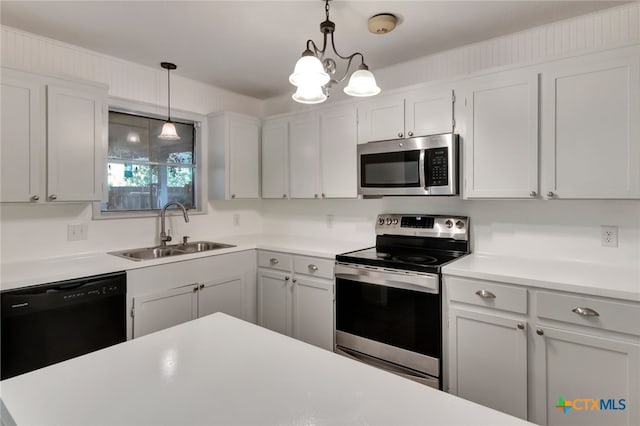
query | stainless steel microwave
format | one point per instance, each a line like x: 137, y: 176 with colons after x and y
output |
x: 426, y: 165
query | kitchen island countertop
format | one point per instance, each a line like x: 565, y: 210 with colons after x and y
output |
x: 221, y: 370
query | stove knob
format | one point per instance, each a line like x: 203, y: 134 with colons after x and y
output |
x: 449, y: 223
x: 459, y: 224
x: 394, y: 221
x: 381, y: 221
x: 388, y: 221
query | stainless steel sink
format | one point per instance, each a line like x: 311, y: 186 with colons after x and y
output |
x: 170, y: 250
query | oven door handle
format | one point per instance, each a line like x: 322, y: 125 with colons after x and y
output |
x: 425, y: 283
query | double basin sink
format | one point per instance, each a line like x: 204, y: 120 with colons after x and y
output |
x: 157, y: 252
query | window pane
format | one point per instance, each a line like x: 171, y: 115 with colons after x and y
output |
x: 139, y: 174
x: 128, y: 137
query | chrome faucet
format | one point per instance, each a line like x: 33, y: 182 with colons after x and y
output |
x: 163, y: 235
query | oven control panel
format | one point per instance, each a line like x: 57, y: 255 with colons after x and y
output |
x: 439, y: 226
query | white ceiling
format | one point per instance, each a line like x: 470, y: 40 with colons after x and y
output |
x: 250, y: 47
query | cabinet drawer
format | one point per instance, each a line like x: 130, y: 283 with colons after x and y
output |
x: 275, y: 260
x: 313, y: 266
x: 487, y: 293
x: 589, y: 311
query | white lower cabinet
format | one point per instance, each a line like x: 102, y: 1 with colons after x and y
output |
x: 556, y: 349
x: 166, y: 295
x: 296, y: 296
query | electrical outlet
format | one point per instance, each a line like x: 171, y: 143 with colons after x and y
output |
x: 609, y: 236
x: 236, y: 219
x: 77, y: 232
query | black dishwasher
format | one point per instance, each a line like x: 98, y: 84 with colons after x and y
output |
x: 45, y: 324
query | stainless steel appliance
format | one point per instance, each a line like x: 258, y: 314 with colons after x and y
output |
x: 425, y: 165
x: 46, y: 324
x: 388, y: 301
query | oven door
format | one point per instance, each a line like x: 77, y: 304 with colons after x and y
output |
x: 391, y: 315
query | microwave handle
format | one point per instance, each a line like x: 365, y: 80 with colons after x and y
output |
x: 421, y: 163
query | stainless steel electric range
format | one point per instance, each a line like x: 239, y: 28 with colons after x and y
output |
x: 388, y: 297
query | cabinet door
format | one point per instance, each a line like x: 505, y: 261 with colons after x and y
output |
x: 381, y: 118
x: 428, y: 111
x: 304, y: 152
x: 591, y: 130
x: 313, y: 311
x: 488, y: 360
x: 274, y: 301
x: 275, y: 159
x: 244, y: 162
x: 164, y: 309
x: 21, y: 139
x: 499, y: 127
x: 226, y: 295
x: 338, y: 152
x: 572, y: 366
x: 76, y: 146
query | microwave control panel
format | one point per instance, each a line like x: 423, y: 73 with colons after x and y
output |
x: 437, y: 166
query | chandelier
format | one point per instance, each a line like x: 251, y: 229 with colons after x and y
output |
x: 314, y: 74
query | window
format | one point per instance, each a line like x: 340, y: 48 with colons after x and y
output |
x: 144, y: 172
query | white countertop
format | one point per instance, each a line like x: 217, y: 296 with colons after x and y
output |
x: 573, y: 276
x: 38, y: 271
x: 221, y: 370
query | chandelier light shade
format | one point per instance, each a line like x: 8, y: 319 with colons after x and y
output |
x: 315, y: 74
x: 169, y: 131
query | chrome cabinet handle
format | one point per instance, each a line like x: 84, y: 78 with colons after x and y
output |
x: 274, y: 261
x: 286, y: 278
x: 53, y: 197
x: 533, y: 193
x: 400, y: 134
x: 284, y: 195
x: 195, y: 289
x: 585, y: 312
x: 485, y: 294
x: 201, y: 286
x: 313, y: 267
x: 35, y: 198
x: 550, y: 194
x: 315, y: 195
x: 520, y: 326
x: 233, y: 195
x: 540, y: 332
x: 294, y: 280
x: 410, y: 133
x: 322, y: 195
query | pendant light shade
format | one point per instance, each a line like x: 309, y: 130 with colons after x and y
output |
x: 362, y: 83
x: 308, y: 71
x: 169, y: 131
x: 309, y: 94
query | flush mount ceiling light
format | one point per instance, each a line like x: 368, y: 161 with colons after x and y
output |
x: 382, y: 23
x: 169, y: 131
x: 314, y: 73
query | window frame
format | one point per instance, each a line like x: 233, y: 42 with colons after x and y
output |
x: 200, y: 156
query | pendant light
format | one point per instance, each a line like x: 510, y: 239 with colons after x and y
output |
x: 169, y: 131
x: 314, y: 74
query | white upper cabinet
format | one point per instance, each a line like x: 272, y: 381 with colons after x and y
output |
x: 420, y: 112
x: 76, y: 146
x: 381, y: 118
x: 275, y: 159
x: 498, y: 123
x: 54, y: 139
x: 338, y: 152
x: 234, y: 156
x: 21, y: 139
x: 304, y: 156
x: 591, y: 126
